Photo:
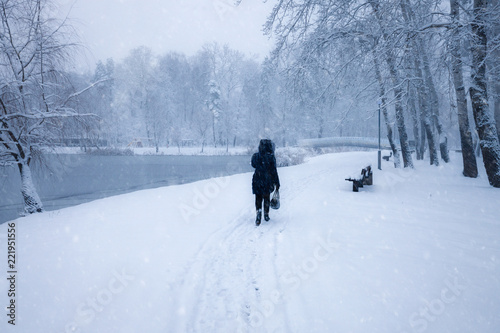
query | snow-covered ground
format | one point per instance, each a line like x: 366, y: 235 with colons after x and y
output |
x: 418, y: 251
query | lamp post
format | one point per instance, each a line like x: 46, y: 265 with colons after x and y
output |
x: 379, y: 101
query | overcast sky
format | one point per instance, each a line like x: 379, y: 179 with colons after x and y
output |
x: 111, y: 28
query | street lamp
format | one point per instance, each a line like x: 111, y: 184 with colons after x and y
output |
x: 379, y: 101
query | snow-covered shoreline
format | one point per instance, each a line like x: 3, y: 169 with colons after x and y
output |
x: 172, y: 150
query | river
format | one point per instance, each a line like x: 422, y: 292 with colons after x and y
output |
x: 72, y: 179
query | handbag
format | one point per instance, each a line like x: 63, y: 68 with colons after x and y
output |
x: 275, y: 201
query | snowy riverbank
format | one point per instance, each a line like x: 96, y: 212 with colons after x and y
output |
x: 416, y: 252
x: 172, y: 150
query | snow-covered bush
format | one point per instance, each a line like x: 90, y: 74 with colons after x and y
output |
x: 288, y: 156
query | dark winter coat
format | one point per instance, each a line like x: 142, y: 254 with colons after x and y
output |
x: 265, y: 177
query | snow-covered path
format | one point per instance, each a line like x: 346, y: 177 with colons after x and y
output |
x: 418, y: 251
x: 225, y: 283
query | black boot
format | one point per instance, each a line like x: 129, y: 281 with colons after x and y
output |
x: 266, y: 209
x: 259, y: 216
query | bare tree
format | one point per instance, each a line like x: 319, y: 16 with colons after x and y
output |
x: 225, y: 66
x: 493, y: 33
x: 214, y: 105
x: 383, y: 106
x: 33, y: 102
x: 396, y: 81
x: 425, y: 109
x: 469, y: 159
x: 426, y: 91
x: 313, y: 27
x: 485, y: 125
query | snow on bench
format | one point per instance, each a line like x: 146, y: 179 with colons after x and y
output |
x: 364, y: 178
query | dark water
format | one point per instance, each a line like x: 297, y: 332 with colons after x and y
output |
x: 73, y: 179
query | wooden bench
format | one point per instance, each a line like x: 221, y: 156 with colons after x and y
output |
x: 365, y: 178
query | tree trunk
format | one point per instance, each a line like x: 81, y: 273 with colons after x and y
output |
x: 485, y: 125
x: 434, y: 160
x: 156, y: 141
x: 414, y: 115
x: 428, y: 101
x: 425, y: 86
x: 390, y: 136
x: 213, y: 131
x: 400, y: 120
x: 434, y: 104
x: 495, y: 63
x: 425, y: 113
x: 397, y: 161
x: 422, y: 138
x: 321, y: 125
x: 496, y: 99
x: 32, y: 202
x: 468, y: 157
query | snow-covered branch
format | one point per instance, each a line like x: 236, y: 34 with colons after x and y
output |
x: 78, y: 93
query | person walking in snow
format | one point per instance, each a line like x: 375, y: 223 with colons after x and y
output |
x: 265, y: 178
